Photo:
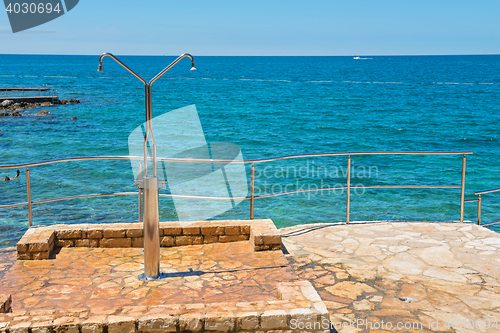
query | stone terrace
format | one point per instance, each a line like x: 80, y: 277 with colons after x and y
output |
x: 408, y: 273
x: 214, y: 287
x: 418, y: 275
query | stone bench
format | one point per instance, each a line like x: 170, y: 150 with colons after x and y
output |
x: 40, y: 242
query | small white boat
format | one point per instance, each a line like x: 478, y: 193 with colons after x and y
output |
x: 356, y: 57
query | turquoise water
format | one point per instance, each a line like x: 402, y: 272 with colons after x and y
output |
x: 269, y: 106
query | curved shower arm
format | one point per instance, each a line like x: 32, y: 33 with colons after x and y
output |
x: 172, y: 65
x: 121, y: 63
x: 149, y: 111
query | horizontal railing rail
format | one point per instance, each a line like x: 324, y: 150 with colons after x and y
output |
x: 191, y: 160
x: 70, y: 159
x: 252, y: 197
x: 487, y: 191
x: 479, y: 203
x: 69, y: 198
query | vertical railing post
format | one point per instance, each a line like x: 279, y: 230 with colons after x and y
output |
x: 140, y: 192
x: 348, y: 188
x: 479, y: 210
x: 252, y: 191
x: 462, y: 200
x: 140, y: 204
x: 28, y: 189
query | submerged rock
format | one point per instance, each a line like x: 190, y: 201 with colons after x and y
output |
x: 69, y: 101
x: 42, y: 113
x: 73, y: 118
x: 16, y: 114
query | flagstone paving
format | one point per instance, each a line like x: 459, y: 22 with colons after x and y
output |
x: 86, y: 282
x: 372, y: 277
x: 442, y: 276
x: 7, y: 259
x: 103, y: 277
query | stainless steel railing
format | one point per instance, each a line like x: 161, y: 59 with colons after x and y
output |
x: 478, y: 200
x: 252, y: 197
x: 30, y: 203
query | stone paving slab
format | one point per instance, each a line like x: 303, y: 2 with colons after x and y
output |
x: 431, y: 277
x: 5, y: 303
x: 7, y: 259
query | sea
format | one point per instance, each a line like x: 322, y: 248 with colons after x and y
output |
x: 269, y: 107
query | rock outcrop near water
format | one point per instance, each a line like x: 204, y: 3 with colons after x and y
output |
x: 10, y: 109
x: 43, y: 113
x: 70, y: 101
x: 13, y: 114
x: 6, y: 103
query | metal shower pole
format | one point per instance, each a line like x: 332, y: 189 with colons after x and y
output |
x: 151, y: 223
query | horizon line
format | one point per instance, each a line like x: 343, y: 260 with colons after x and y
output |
x: 200, y: 55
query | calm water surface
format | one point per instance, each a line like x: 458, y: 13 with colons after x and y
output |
x: 269, y: 106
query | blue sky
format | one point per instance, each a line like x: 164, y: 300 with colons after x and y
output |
x: 272, y: 27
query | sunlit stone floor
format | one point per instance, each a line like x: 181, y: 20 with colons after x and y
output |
x: 428, y: 273
x: 86, y: 282
x: 427, y: 276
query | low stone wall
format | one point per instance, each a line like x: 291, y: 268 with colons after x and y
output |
x: 5, y: 303
x: 36, y: 243
x: 39, y: 242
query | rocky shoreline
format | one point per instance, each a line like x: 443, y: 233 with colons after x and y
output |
x: 10, y: 109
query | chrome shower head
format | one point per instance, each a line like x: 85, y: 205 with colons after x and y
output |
x: 192, y: 62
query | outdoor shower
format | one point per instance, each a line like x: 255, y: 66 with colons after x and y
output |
x: 149, y: 184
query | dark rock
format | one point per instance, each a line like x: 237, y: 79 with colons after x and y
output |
x: 7, y: 103
x: 42, y: 113
x: 73, y: 118
x: 16, y: 114
x: 70, y: 101
x: 4, y: 114
x: 17, y: 107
